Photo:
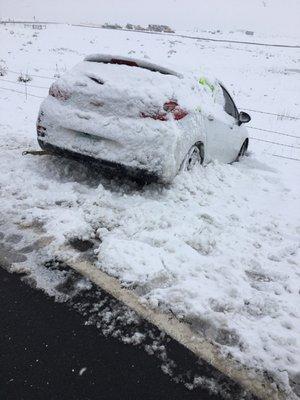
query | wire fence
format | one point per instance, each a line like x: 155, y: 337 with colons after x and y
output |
x: 277, y: 143
x: 278, y: 133
x: 270, y: 113
x: 244, y: 108
x: 29, y: 85
x: 36, y: 76
x: 25, y: 94
x: 287, y: 158
x: 23, y: 83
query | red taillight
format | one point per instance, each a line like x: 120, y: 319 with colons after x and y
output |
x: 179, y: 113
x: 169, y: 107
x: 59, y: 93
x: 173, y: 107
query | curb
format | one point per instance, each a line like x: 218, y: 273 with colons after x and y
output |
x: 253, y: 381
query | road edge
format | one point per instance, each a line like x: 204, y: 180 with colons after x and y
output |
x: 252, y: 380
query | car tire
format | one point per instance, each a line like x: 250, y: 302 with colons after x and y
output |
x: 193, y: 157
x: 243, y: 150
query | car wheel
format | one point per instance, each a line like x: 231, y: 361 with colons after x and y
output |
x: 243, y: 150
x: 193, y: 157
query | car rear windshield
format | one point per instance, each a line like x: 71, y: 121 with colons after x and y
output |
x: 131, y: 63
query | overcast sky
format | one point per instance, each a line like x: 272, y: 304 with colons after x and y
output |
x: 271, y: 16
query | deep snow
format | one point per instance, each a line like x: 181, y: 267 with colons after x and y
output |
x: 219, y: 247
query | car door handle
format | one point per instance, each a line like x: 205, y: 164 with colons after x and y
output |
x: 210, y: 117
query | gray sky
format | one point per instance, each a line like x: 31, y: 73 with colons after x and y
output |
x: 271, y: 16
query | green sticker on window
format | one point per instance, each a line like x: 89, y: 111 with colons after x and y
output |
x: 203, y: 81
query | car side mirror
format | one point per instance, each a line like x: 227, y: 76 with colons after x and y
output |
x: 243, y: 118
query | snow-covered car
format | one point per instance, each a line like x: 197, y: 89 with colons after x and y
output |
x: 134, y: 116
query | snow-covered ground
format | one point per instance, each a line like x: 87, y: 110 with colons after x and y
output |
x: 219, y: 247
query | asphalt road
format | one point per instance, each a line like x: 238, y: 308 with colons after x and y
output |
x: 46, y: 352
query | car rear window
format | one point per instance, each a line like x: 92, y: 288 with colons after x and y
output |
x: 131, y: 63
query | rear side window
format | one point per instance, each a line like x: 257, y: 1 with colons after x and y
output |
x: 229, y: 106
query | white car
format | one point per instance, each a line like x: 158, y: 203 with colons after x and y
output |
x: 132, y: 116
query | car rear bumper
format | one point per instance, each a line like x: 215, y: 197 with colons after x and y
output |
x: 139, y: 144
x: 108, y: 168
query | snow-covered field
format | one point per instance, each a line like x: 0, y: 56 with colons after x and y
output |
x: 219, y: 248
